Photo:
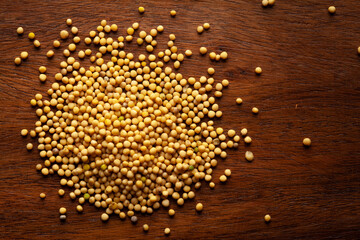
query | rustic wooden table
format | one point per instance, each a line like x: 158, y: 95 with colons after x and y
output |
x: 309, y: 88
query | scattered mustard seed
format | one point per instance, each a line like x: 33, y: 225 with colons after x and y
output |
x: 171, y: 212
x: 258, y: 70
x: 206, y: 26
x: 42, y: 77
x: 267, y: 218
x: 249, y: 156
x: 224, y: 55
x: 24, y: 132
x: 24, y: 55
x: 146, y: 227
x: 20, y: 30
x: 17, y: 61
x: 42, y: 69
x: 167, y: 231
x: 223, y: 178
x: 265, y: 3
x: 307, y: 142
x: 255, y: 110
x: 56, y: 44
x: 64, y: 34
x: 68, y: 22
x: 227, y: 172
x: 332, y: 9
x: 200, y: 29
x: 29, y: 146
x: 247, y: 139
x: 271, y: 2
x: 62, y: 217
x: 203, y: 50
x: 199, y: 207
x: 31, y: 35
x: 42, y: 195
x: 141, y: 9
x: 188, y: 53
x: 211, y: 71
x: 104, y: 217
x: 61, y: 192
x: 62, y: 210
x: 239, y: 101
x: 173, y: 13
x: 50, y: 54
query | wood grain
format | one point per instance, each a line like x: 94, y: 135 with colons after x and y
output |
x: 309, y: 88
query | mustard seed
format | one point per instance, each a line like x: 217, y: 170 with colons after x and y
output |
x: 255, y: 110
x: 42, y: 195
x: 267, y: 218
x: 50, y: 53
x: 203, y: 50
x: 24, y: 132
x: 24, y: 55
x: 247, y: 139
x: 42, y: 77
x: 61, y: 192
x: 42, y: 69
x: 104, y: 217
x: 31, y: 35
x: 200, y: 29
x: 68, y: 22
x: 227, y: 172
x: 62, y: 217
x: 265, y: 3
x: 56, y: 44
x: 141, y: 9
x: 199, y: 207
x: 224, y: 55
x: 188, y: 53
x: 211, y: 71
x: 64, y: 34
x: 249, y: 156
x: 223, y: 178
x: 171, y: 212
x: 20, y: 30
x: 307, y: 142
x: 173, y: 13
x: 146, y: 227
x: 29, y: 146
x: 332, y: 9
x: 17, y: 61
x: 62, y: 210
x: 258, y: 70
x: 206, y: 26
x: 239, y: 101
x: 167, y: 231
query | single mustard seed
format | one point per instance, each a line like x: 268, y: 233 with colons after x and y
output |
x: 211, y: 71
x: 24, y: 132
x: 37, y: 43
x: 134, y: 219
x: 146, y: 227
x: 223, y: 178
x: 212, y: 55
x: 68, y: 22
x: 173, y: 13
x: 211, y: 184
x: 206, y: 26
x: 50, y: 54
x: 56, y: 43
x: 247, y: 139
x: 29, y: 146
x: 167, y: 231
x: 203, y: 50
x: 20, y: 30
x: 200, y: 29
x: 64, y: 34
x: 227, y: 172
x: 332, y: 9
x: 307, y: 142
x: 61, y: 192
x: 31, y: 35
x: 188, y: 53
x: 42, y: 77
x: 267, y: 218
x: 255, y: 110
x: 239, y: 101
x: 42, y: 69
x: 244, y: 131
x: 17, y: 61
x: 358, y: 50
x: 62, y: 210
x: 141, y: 9
x: 224, y: 55
x: 258, y: 70
x: 199, y: 207
x: 79, y: 208
x: 104, y: 217
x: 265, y: 3
x: 249, y: 156
x: 24, y: 55
x: 62, y: 217
x: 271, y: 2
x: 171, y: 212
x: 42, y: 195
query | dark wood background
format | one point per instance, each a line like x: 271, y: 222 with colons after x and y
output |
x: 309, y: 60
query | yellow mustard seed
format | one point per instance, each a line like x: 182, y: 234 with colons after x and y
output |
x: 50, y: 54
x: 42, y: 69
x: 239, y: 101
x: 173, y: 13
x: 307, y: 142
x: 42, y: 77
x: 247, y: 139
x: 271, y: 2
x: 188, y: 53
x: 17, y: 61
x: 212, y: 55
x: 167, y: 231
x: 332, y: 9
x: 212, y: 185
x: 29, y: 146
x: 20, y: 30
x: 61, y: 192
x: 258, y: 70
x: 255, y: 110
x: 24, y: 55
x: 160, y: 28
x: 206, y: 26
x: 200, y: 29
x: 244, y: 131
x: 223, y: 178
x: 79, y: 208
x: 211, y: 71
x: 64, y: 34
x: 267, y: 218
x: 24, y: 132
x: 358, y: 50
x: 62, y: 210
x: 231, y: 133
x: 224, y: 55
x: 141, y: 9
x: 104, y: 217
x: 42, y: 195
x: 249, y: 156
x: 56, y: 44
x: 227, y: 172
x: 265, y: 3
x: 199, y: 207
x: 74, y: 30
x: 68, y: 22
x: 171, y: 212
x: 146, y: 227
x: 203, y: 50
x: 31, y: 35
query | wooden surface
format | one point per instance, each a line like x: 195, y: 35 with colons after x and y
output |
x: 309, y: 88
